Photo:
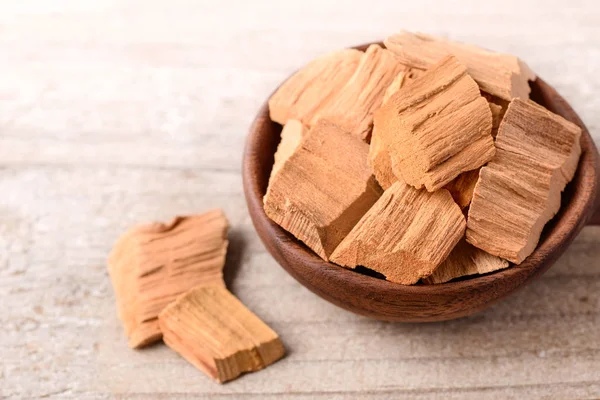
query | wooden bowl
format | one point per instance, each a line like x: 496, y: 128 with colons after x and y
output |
x: 390, y: 301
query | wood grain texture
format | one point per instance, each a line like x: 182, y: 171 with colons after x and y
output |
x: 502, y: 75
x: 387, y: 301
x: 462, y: 187
x: 215, y: 332
x: 115, y: 113
x: 435, y: 128
x: 353, y: 105
x: 519, y: 190
x: 291, y: 135
x: 313, y: 87
x: 301, y: 199
x: 152, y: 264
x: 405, y: 235
x: 464, y: 260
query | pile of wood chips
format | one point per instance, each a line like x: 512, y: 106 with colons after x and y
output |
x: 168, y: 280
x: 424, y: 161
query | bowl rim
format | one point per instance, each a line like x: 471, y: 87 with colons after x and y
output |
x: 565, y: 225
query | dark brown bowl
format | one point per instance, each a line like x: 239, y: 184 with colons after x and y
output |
x: 389, y: 301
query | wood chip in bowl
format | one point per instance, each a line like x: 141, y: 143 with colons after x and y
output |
x: 520, y: 189
x: 313, y: 87
x: 465, y: 260
x: 353, y: 105
x: 323, y: 189
x: 436, y: 128
x: 462, y: 187
x: 405, y: 235
x: 502, y: 75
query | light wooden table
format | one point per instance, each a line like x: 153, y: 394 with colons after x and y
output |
x: 119, y: 112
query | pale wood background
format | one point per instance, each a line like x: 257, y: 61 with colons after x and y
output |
x: 119, y: 112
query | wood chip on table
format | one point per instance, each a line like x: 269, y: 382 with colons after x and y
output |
x: 434, y: 129
x: 323, y: 189
x: 519, y: 191
x: 313, y: 87
x: 353, y: 106
x: 405, y: 236
x: 502, y: 75
x: 465, y: 260
x: 153, y: 264
x: 214, y: 331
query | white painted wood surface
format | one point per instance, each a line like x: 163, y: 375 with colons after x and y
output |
x: 118, y: 112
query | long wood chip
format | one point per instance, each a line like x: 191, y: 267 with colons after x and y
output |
x: 520, y: 189
x: 215, y: 332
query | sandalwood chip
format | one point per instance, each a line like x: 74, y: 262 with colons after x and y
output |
x: 153, y: 264
x: 462, y: 187
x: 353, y: 106
x: 520, y: 189
x: 291, y: 135
x: 313, y: 87
x: 379, y: 159
x: 434, y: 129
x: 405, y: 235
x: 465, y: 260
x: 404, y: 77
x: 215, y: 332
x: 502, y: 75
x: 323, y: 189
x: 497, y: 114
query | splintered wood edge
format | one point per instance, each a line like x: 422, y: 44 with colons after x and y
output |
x: 394, y: 302
x: 148, y: 332
x: 268, y: 351
x: 522, y: 120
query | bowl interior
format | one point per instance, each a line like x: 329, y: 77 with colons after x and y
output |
x: 578, y: 201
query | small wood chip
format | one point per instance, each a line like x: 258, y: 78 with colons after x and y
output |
x: 379, y: 158
x: 291, y: 135
x: 462, y: 187
x: 497, y: 114
x: 498, y: 107
x: 502, y: 75
x: 405, y: 235
x: 153, y: 264
x: 404, y: 77
x: 380, y: 161
x: 215, y: 332
x: 352, y: 109
x: 323, y: 189
x: 434, y: 129
x: 465, y: 260
x: 311, y: 88
x: 520, y: 189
